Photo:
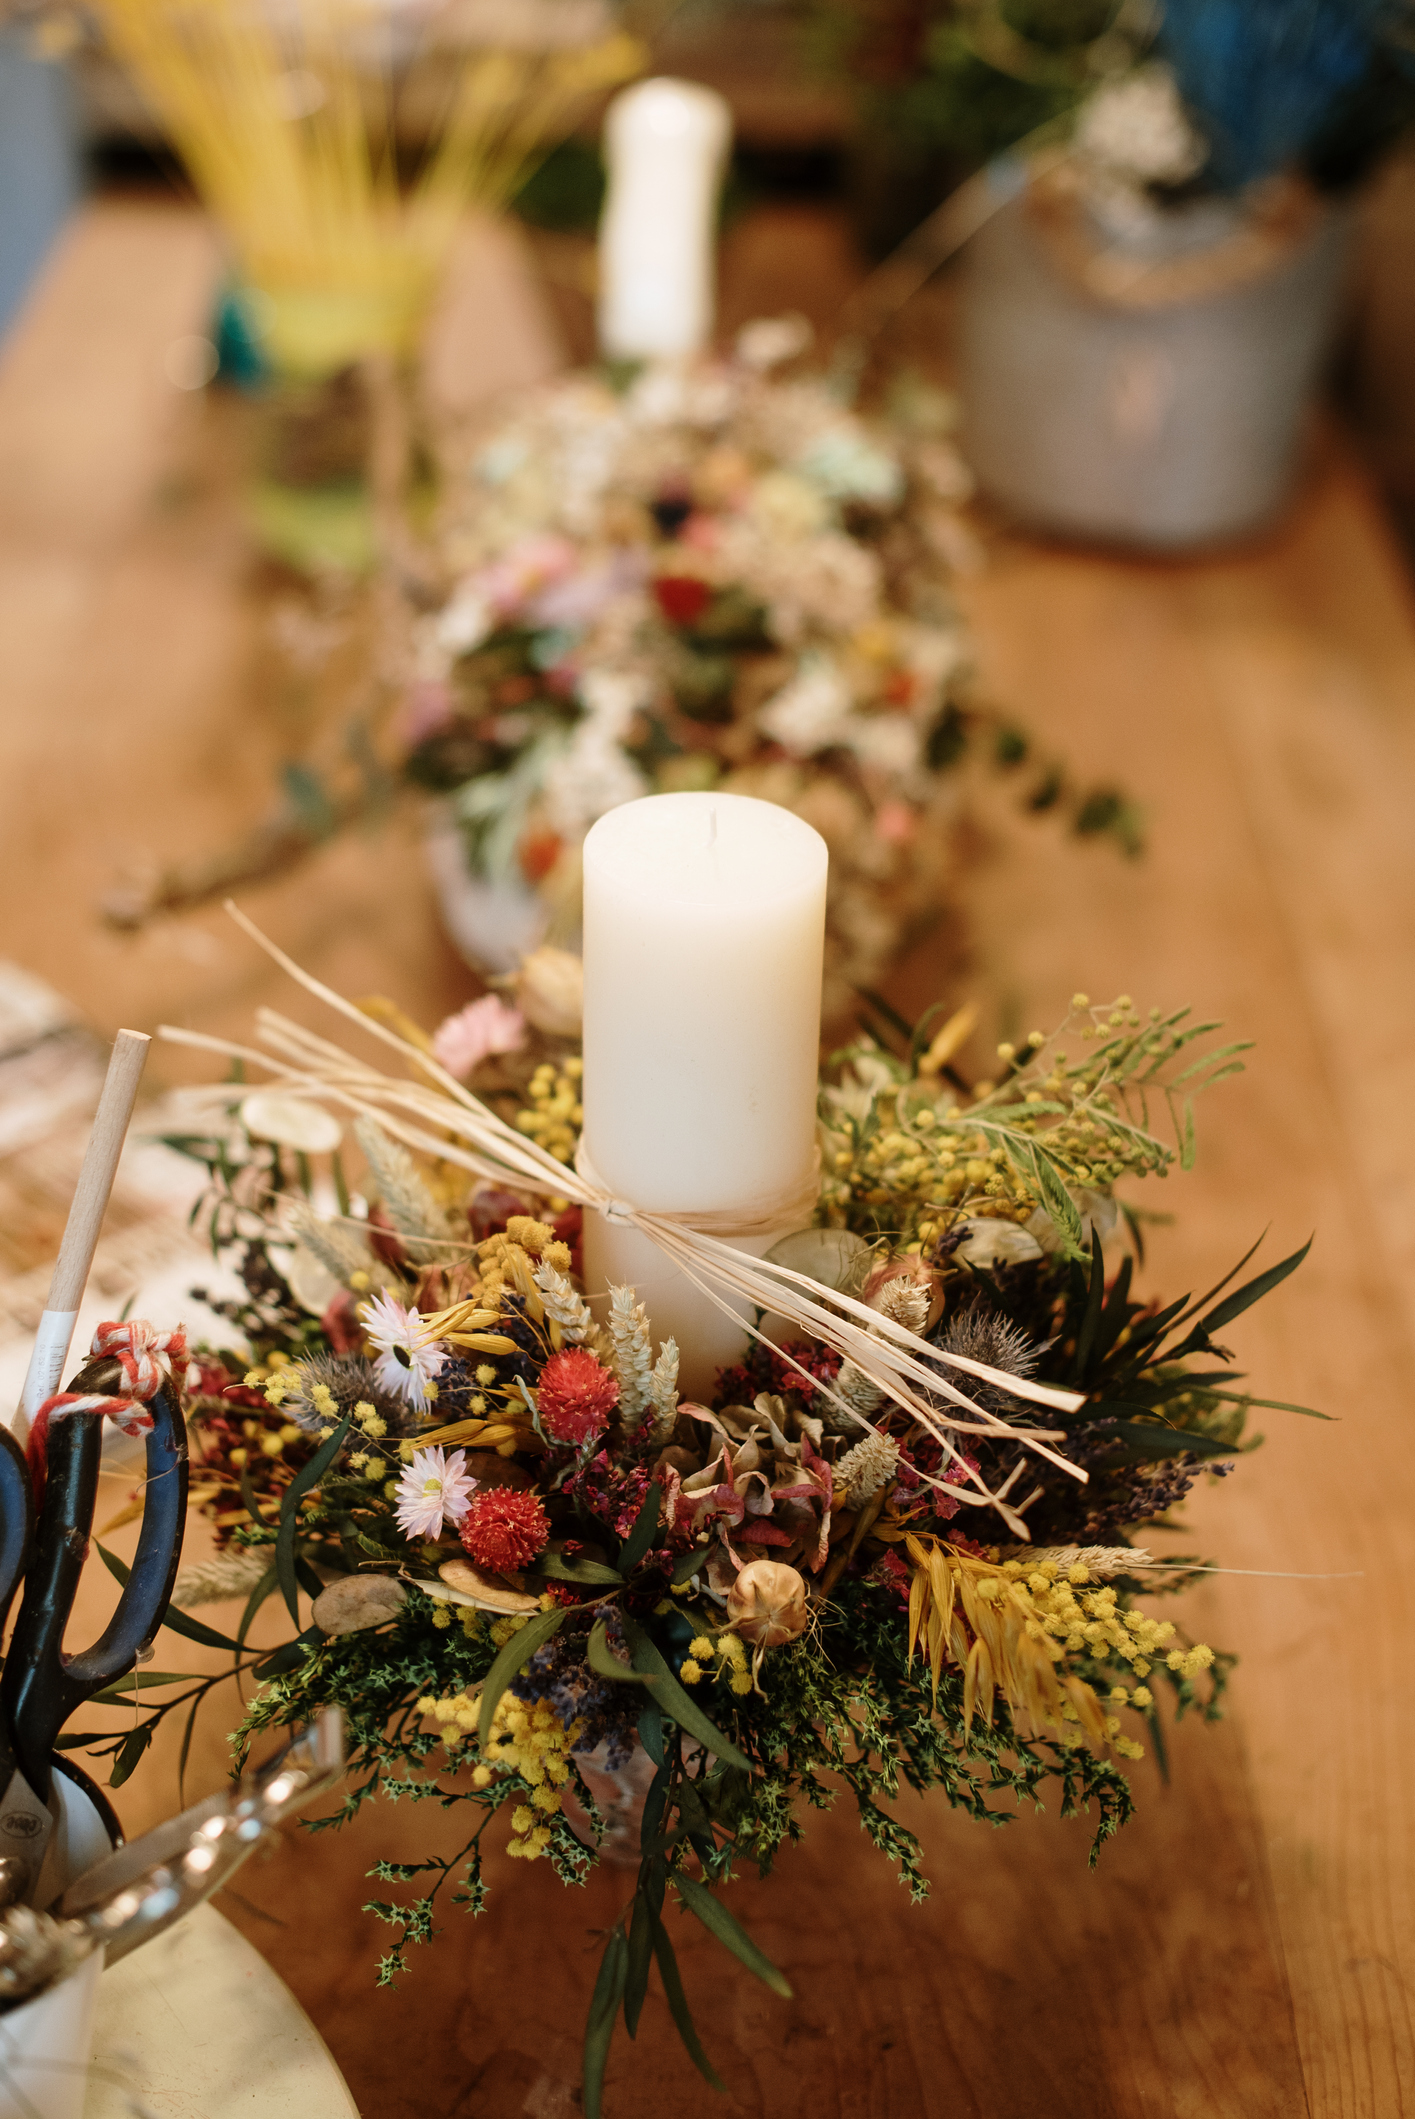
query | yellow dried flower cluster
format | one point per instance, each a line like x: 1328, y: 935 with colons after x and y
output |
x: 511, y: 1255
x: 1020, y: 1627
x: 266, y: 1442
x: 897, y: 1138
x: 554, y: 1115
x: 276, y: 1375
x: 921, y: 1178
x: 726, y: 1652
x: 527, y: 1738
x: 1069, y: 1619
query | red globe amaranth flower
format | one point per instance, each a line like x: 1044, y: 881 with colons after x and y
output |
x: 890, y: 1573
x: 682, y: 598
x: 214, y: 1380
x: 340, y: 1322
x: 576, y: 1396
x: 504, y: 1529
x: 538, y: 853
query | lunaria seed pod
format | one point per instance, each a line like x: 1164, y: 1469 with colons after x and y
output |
x: 767, y: 1604
x: 357, y: 1601
x: 549, y: 990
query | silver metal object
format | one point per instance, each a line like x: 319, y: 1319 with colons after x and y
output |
x: 1163, y: 427
x: 146, y: 1886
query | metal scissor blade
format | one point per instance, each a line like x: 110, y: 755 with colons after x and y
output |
x: 27, y: 1836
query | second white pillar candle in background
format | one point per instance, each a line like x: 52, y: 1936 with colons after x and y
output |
x: 704, y: 931
x: 666, y: 145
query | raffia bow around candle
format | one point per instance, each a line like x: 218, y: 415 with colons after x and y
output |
x: 703, y: 938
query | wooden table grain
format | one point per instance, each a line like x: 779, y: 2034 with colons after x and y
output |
x: 1245, y: 1949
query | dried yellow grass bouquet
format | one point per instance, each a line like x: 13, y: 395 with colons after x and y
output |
x: 287, y: 116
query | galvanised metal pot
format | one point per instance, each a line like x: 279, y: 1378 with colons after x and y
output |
x: 1144, y: 378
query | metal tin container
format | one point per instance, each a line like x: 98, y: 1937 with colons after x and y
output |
x: 1145, y: 382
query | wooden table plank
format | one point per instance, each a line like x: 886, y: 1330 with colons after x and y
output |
x: 1261, y: 704
x: 86, y: 408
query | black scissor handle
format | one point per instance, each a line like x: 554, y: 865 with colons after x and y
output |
x: 41, y: 1687
x: 16, y: 1520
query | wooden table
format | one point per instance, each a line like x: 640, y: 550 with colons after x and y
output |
x: 1246, y: 1947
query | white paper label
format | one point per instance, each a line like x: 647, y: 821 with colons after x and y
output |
x: 26, y: 1832
x: 46, y: 1365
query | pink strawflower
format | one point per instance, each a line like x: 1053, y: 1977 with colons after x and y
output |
x: 434, y: 1488
x: 576, y: 1396
x: 425, y: 711
x: 896, y: 823
x: 527, y: 568
x: 504, y: 1529
x: 483, y: 1027
x: 409, y: 1358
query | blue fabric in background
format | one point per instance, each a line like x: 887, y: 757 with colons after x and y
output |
x: 40, y: 164
x: 1264, y: 76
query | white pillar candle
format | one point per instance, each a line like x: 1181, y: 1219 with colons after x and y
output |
x: 704, y: 930
x: 666, y: 144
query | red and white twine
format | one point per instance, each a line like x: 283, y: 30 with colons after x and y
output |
x: 139, y: 1349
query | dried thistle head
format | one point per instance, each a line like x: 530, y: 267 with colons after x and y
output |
x: 980, y: 1334
x: 330, y: 1385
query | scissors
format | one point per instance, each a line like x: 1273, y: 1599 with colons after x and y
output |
x: 41, y: 1686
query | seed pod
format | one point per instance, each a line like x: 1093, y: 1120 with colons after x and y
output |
x: 357, y: 1601
x: 767, y: 1604
x: 470, y: 1584
x: 550, y: 991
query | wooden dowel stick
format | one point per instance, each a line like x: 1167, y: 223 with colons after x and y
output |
x: 90, y: 1204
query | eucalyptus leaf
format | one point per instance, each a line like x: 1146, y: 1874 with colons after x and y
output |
x: 640, y: 1537
x: 730, y: 1933
x: 134, y: 1746
x: 678, y: 2006
x: 651, y: 1730
x: 592, y: 1573
x: 185, y: 1751
x: 604, y: 1662
x: 305, y: 1480
x: 674, y: 1701
x: 1274, y: 1405
x: 1232, y: 1274
x: 268, y: 1583
x: 1252, y: 1291
x: 655, y: 1803
x: 599, y: 2027
x: 1095, y: 1298
x: 1147, y: 1439
x: 175, y: 1621
x: 141, y: 1681
x: 514, y: 1657
x: 636, y: 1977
